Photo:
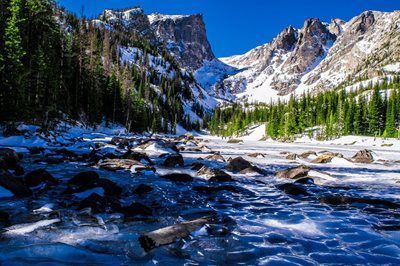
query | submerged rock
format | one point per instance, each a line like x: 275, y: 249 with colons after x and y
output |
x: 4, y: 216
x: 347, y: 200
x: 252, y: 170
x: 174, y: 160
x: 84, y: 179
x: 197, y: 166
x: 36, y: 150
x: 364, y: 156
x: 170, y: 234
x: 40, y: 176
x: 304, y: 180
x: 87, y: 181
x: 14, y: 185
x: 238, y: 164
x: 111, y: 189
x: 9, y: 157
x: 211, y: 174
x: 137, y: 209
x: 178, y: 177
x: 95, y: 202
x: 294, y: 173
x: 292, y: 189
x: 210, y: 189
x: 142, y: 189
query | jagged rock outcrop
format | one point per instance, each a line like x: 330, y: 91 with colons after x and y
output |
x: 320, y: 56
x: 185, y: 37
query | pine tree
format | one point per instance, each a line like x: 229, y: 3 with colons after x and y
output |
x: 13, y: 64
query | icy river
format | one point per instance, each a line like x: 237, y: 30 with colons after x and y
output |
x: 339, y: 211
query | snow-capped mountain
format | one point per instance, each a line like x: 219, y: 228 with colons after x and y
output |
x: 319, y: 56
x: 184, y: 38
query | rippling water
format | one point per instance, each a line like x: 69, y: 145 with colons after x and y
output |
x: 261, y: 225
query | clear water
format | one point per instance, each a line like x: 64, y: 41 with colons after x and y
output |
x: 261, y: 225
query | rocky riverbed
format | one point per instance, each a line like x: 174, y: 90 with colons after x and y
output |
x: 84, y: 197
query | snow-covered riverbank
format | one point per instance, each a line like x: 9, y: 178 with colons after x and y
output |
x: 349, y: 215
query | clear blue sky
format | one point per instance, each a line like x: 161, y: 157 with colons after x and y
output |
x: 236, y: 26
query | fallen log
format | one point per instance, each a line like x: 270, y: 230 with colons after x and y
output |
x: 170, y: 234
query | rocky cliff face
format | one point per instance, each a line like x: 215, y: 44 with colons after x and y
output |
x: 320, y: 56
x: 185, y: 37
x: 367, y: 44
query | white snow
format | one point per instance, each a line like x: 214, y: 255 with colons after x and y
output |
x: 48, y: 208
x: 392, y: 67
x: 159, y: 17
x: 23, y: 229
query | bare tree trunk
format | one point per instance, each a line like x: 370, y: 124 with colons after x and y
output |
x: 170, y: 234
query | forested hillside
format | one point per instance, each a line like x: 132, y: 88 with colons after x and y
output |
x: 370, y: 111
x: 54, y: 65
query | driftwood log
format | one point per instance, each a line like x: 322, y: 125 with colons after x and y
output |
x: 170, y: 234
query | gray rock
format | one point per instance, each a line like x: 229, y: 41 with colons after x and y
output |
x: 294, y: 173
x: 216, y: 175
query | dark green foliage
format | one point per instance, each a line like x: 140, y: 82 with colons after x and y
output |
x: 372, y: 111
x: 53, y: 64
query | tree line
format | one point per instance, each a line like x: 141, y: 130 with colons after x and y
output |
x: 373, y: 110
x: 54, y: 64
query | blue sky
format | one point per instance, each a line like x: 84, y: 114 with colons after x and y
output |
x: 236, y: 26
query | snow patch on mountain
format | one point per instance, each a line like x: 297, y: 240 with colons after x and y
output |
x: 158, y: 17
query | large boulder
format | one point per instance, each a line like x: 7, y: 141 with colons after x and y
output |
x: 38, y: 177
x: 124, y: 164
x: 238, y: 164
x: 95, y: 202
x: 14, y: 185
x: 137, y: 156
x: 215, y: 157
x: 294, y: 173
x: 87, y: 181
x: 256, y: 155
x: 174, y: 160
x: 323, y: 158
x: 211, y: 174
x: 84, y: 179
x: 307, y: 154
x: 252, y: 170
x: 364, y: 156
